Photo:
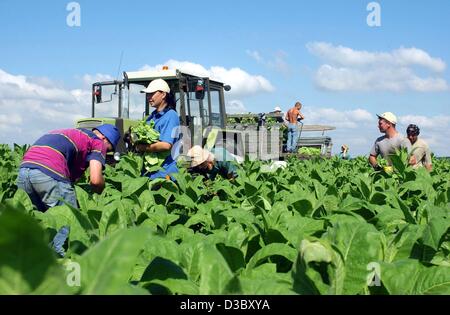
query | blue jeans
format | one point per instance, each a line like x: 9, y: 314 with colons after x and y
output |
x: 292, y: 137
x: 45, y: 192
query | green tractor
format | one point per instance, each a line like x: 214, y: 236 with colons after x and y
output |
x: 199, y: 103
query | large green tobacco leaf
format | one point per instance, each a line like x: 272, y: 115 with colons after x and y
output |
x: 265, y: 280
x: 27, y: 264
x: 134, y: 185
x: 311, y: 272
x: 107, y: 267
x: 401, y: 246
x: 359, y: 244
x: 21, y: 197
x: 271, y: 250
x: 410, y: 277
x: 233, y: 256
x: 113, y: 218
x: 215, y: 275
x: 83, y: 199
x: 435, y: 231
x: 81, y: 229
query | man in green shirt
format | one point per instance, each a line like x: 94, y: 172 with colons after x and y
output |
x: 218, y: 161
x: 420, y: 152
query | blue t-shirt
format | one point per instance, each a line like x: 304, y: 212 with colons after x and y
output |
x: 346, y: 157
x: 167, y: 123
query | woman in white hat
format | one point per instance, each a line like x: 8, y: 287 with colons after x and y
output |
x: 167, y: 124
x: 344, y: 152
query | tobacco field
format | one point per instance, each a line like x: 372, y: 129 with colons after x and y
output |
x: 320, y: 226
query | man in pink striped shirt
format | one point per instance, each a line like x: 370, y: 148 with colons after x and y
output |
x: 56, y: 160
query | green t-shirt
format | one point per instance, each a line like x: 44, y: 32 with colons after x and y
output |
x: 223, y: 164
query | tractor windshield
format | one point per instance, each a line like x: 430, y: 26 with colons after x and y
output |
x: 134, y: 102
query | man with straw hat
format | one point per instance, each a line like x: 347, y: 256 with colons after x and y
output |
x: 210, y: 164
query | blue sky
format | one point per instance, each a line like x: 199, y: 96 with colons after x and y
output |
x: 304, y: 50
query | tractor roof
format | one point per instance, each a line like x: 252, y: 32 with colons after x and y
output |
x: 149, y: 75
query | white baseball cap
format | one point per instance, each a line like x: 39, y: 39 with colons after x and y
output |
x: 277, y: 109
x: 389, y: 117
x: 198, y: 155
x: 157, y: 85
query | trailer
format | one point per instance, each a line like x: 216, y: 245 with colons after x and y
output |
x: 265, y: 135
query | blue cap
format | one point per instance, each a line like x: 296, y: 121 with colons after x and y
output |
x: 111, y: 133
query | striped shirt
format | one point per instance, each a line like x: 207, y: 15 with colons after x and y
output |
x: 65, y: 154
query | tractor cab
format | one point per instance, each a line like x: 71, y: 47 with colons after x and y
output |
x: 199, y: 103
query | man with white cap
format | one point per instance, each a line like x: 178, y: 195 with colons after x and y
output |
x: 167, y: 124
x: 278, y: 114
x: 390, y: 142
x: 211, y: 164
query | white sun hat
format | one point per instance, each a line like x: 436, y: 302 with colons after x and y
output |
x: 157, y: 85
x: 389, y: 117
x: 198, y: 155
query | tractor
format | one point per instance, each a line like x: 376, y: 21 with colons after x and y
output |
x: 200, y: 104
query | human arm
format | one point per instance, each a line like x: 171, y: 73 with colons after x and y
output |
x: 159, y: 146
x: 373, y: 162
x: 97, y: 180
x: 428, y: 163
x: 168, y: 135
x: 374, y: 152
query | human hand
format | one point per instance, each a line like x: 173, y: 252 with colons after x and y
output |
x: 141, y: 148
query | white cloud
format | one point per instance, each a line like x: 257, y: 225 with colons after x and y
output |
x: 32, y: 106
x: 13, y: 119
x: 20, y: 87
x: 435, y: 123
x: 89, y: 79
x: 348, y: 57
x: 349, y: 119
x: 241, y: 82
x: 278, y: 63
x: 255, y: 55
x: 236, y: 107
x: 348, y: 69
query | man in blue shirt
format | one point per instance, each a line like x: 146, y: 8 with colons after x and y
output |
x: 167, y: 124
